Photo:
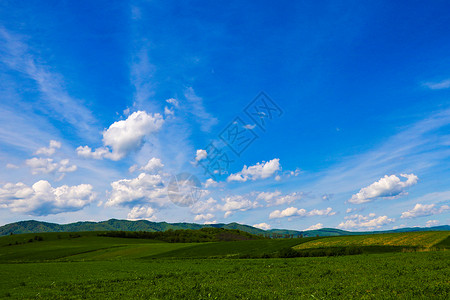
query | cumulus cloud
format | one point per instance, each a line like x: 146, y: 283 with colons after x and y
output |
x: 42, y: 199
x: 386, y: 187
x: 48, y: 165
x: 268, y: 196
x: 259, y: 171
x: 421, y: 210
x: 230, y: 204
x: 203, y: 217
x: 152, y: 165
x: 124, y: 136
x: 237, y: 202
x: 50, y: 150
x: 204, y: 206
x: 201, y: 154
x: 293, y: 211
x: 143, y: 189
x: 367, y: 222
x: 210, y: 183
x: 142, y: 213
x: 314, y: 227
x: 263, y: 226
x: 276, y: 198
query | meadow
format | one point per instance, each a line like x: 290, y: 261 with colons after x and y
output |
x: 85, y: 265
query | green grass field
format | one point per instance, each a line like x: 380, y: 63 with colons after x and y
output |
x: 84, y: 265
x: 404, y: 239
x: 423, y: 275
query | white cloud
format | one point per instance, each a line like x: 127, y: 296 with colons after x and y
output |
x: 421, y: 210
x: 42, y: 199
x: 86, y: 152
x: 314, y: 227
x: 124, y: 136
x: 198, y: 110
x: 201, y: 154
x: 210, y: 183
x: 210, y: 222
x: 204, y: 206
x: 322, y: 212
x: 286, y: 199
x: 152, y: 165
x: 386, y: 187
x: 50, y: 150
x: 275, y: 198
x: 172, y: 101
x: 227, y: 214
x: 268, y: 196
x: 133, y: 168
x: 432, y: 223
x: 142, y: 213
x: 445, y: 84
x: 65, y: 168
x: 259, y: 171
x: 41, y: 165
x: 54, y: 99
x: 143, y: 189
x: 48, y: 165
x: 11, y: 166
x: 349, y: 210
x: 168, y: 111
x: 263, y: 226
x: 203, y: 217
x: 237, y: 202
x: 293, y: 211
x: 249, y: 126
x: 327, y: 197
x: 368, y: 222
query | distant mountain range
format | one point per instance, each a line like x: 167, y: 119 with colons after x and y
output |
x: 143, y: 225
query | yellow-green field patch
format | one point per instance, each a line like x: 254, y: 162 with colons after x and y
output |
x: 406, y: 239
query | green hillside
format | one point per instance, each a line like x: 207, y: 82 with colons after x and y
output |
x: 108, y: 245
x: 403, y: 239
x: 143, y: 225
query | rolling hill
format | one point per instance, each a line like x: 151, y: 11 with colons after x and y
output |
x: 33, y: 226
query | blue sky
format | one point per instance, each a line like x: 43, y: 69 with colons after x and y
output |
x: 104, y: 102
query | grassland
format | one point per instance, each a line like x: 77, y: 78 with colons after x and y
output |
x: 85, y: 265
x: 380, y: 276
x: 404, y: 239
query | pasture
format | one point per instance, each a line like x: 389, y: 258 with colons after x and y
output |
x: 69, y: 266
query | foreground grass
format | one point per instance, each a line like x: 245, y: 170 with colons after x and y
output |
x: 423, y: 275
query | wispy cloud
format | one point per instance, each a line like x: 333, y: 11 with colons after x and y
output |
x: 419, y: 148
x: 197, y: 108
x: 444, y: 84
x: 56, y: 102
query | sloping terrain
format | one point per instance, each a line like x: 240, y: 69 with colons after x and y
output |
x: 408, y: 239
